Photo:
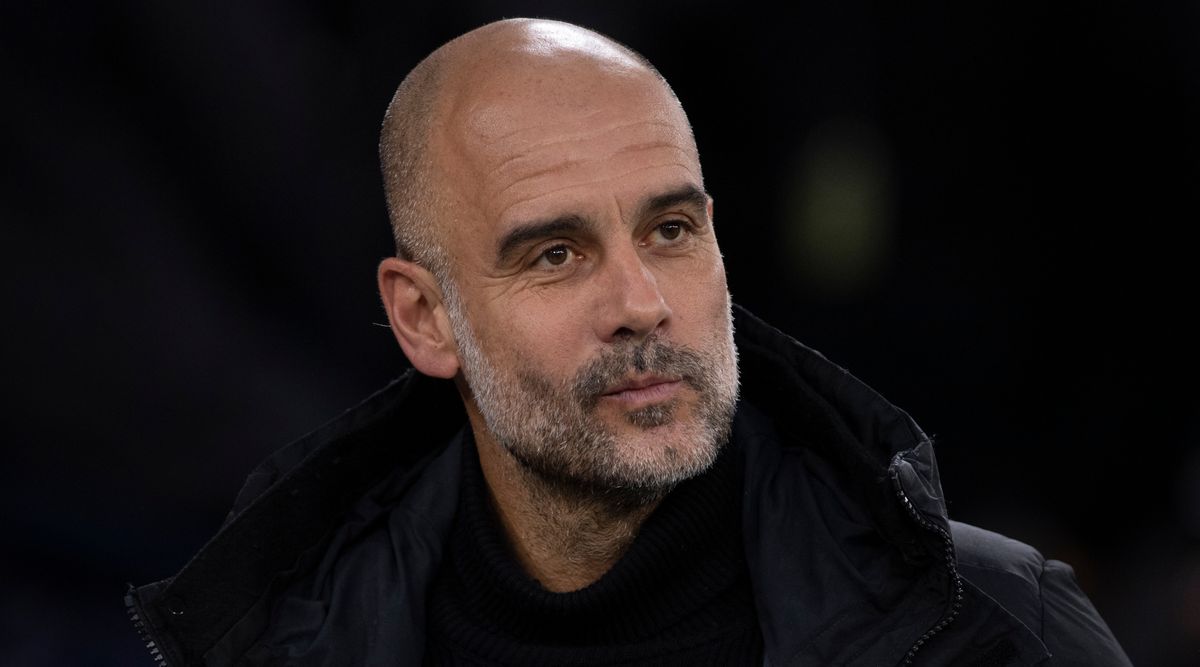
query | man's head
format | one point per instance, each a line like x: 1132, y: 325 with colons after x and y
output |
x: 557, y: 256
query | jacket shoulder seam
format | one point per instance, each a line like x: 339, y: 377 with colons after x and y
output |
x: 1003, y: 570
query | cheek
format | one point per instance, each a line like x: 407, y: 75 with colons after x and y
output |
x: 700, y: 297
x: 539, y: 335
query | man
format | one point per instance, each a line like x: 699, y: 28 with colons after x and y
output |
x: 574, y: 474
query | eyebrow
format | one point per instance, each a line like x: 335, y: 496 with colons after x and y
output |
x: 688, y: 195
x: 522, y: 234
x: 537, y: 230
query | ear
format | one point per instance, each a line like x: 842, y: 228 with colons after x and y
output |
x: 413, y: 302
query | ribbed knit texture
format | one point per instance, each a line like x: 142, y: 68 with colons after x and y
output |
x: 680, y: 596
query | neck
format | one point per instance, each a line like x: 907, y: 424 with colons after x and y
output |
x: 563, y: 536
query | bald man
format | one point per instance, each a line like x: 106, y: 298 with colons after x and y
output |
x: 575, y: 472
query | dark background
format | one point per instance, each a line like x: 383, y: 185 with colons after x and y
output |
x: 986, y: 212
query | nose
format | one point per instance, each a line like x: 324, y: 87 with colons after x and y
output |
x: 633, y: 305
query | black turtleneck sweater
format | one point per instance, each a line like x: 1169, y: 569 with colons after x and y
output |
x: 680, y: 596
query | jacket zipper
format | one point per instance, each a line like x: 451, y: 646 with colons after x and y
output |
x: 139, y: 624
x: 951, y: 563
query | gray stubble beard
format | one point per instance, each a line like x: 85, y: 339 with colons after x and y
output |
x: 552, y: 431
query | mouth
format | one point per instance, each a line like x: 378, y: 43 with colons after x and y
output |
x: 645, y: 390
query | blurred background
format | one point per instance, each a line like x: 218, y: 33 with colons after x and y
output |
x: 984, y: 211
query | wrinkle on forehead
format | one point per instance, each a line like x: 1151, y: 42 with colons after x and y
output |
x: 529, y: 183
x: 536, y: 170
x: 510, y: 138
x: 517, y: 136
x: 567, y: 148
x: 683, y: 167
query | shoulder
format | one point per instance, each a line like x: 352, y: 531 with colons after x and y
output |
x: 985, y: 555
x: 1042, y: 593
x: 1007, y: 570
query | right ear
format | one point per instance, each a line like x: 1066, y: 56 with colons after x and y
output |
x: 413, y: 302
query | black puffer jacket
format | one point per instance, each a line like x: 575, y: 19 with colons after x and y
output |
x: 853, y: 559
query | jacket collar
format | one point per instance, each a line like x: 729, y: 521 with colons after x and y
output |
x: 843, y: 496
x: 289, y: 505
x: 818, y: 407
x: 861, y: 461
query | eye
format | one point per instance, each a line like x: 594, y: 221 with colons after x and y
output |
x: 555, y: 256
x: 669, y: 232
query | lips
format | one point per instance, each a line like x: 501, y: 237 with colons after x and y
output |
x: 641, y: 392
x: 635, y: 384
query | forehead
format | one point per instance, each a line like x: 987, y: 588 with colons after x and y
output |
x: 533, y: 141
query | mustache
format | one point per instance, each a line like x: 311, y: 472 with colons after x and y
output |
x: 653, y: 355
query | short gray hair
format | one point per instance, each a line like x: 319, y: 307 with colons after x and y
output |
x: 406, y: 163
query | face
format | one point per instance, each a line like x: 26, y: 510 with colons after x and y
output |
x: 589, y: 300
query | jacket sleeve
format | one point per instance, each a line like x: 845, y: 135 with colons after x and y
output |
x: 1072, y: 629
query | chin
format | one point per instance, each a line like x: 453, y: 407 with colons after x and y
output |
x: 665, y: 454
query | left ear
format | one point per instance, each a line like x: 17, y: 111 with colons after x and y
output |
x: 414, y: 306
